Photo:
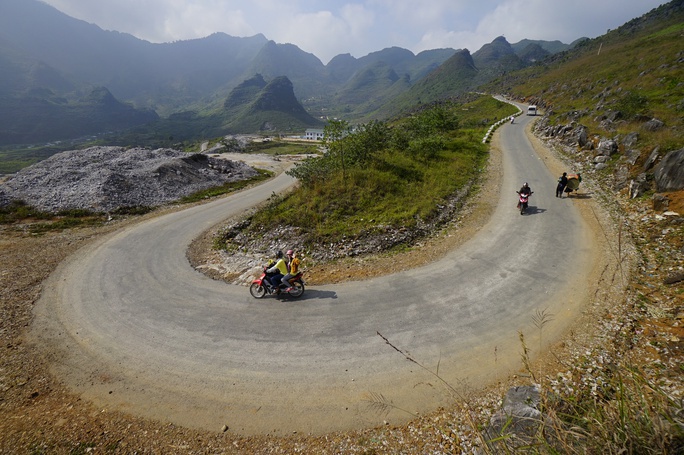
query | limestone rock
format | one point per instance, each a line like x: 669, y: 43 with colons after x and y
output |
x: 669, y: 173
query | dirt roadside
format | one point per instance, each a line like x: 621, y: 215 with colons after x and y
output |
x: 41, y: 416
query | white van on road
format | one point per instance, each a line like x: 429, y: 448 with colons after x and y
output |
x: 531, y: 109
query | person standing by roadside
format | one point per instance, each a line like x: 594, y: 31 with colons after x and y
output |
x: 562, y: 183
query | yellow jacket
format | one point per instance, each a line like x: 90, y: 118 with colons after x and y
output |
x: 279, y: 266
x: 294, y: 266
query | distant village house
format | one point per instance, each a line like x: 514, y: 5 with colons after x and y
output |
x: 314, y: 134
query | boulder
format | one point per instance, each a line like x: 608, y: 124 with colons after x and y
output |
x: 632, y: 156
x: 614, y: 115
x: 519, y: 420
x: 650, y: 161
x: 653, y: 125
x: 630, y: 139
x: 622, y: 177
x: 638, y: 186
x: 607, y: 147
x: 582, y: 135
x: 669, y: 173
x: 607, y: 125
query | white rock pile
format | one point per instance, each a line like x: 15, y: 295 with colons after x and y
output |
x: 104, y: 179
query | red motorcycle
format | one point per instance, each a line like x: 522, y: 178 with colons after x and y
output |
x: 262, y: 286
x: 522, y: 201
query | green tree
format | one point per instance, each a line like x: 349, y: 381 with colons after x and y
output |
x: 333, y: 133
x: 364, y: 142
x: 438, y: 119
x: 346, y: 148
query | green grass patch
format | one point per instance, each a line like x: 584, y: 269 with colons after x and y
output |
x: 18, y: 211
x: 379, y: 175
x: 38, y: 222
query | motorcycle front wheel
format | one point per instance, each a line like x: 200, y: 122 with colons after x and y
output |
x: 257, y: 290
x: 297, y: 289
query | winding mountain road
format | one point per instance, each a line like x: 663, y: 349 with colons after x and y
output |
x: 128, y: 324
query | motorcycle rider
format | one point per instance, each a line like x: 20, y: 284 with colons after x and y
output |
x: 276, y: 272
x: 525, y: 190
x: 293, y: 264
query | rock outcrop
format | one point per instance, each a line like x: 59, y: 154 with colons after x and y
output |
x: 669, y: 173
x: 595, y: 153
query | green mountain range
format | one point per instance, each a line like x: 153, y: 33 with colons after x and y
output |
x: 51, y: 74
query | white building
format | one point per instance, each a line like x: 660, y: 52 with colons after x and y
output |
x: 314, y: 134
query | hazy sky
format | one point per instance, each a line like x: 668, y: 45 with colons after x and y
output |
x: 327, y: 28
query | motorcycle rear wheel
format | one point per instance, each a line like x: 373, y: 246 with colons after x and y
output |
x: 297, y: 289
x: 257, y: 290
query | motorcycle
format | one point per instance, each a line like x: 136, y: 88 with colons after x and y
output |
x: 262, y: 286
x: 522, y: 201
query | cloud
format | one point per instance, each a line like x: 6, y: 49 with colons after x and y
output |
x: 197, y: 20
x: 320, y: 30
x: 566, y: 21
x: 326, y: 32
x: 328, y: 27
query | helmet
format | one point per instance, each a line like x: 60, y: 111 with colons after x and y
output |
x: 279, y: 254
x: 289, y: 252
x: 525, y: 185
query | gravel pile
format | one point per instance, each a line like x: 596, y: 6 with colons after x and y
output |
x: 104, y: 179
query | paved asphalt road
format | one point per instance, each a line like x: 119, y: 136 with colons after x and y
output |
x: 130, y: 325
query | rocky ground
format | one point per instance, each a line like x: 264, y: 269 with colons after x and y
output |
x: 41, y: 416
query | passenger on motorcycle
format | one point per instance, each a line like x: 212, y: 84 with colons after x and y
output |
x: 293, y: 265
x: 277, y: 271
